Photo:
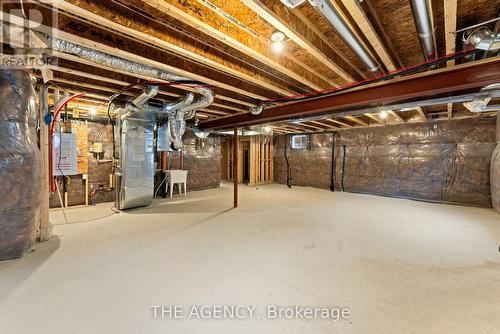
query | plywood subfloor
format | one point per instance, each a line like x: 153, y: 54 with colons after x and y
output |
x: 400, y: 266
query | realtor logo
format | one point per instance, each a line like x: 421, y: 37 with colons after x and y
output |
x: 25, y: 26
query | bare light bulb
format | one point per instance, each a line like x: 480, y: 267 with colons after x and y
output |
x: 277, y: 46
x: 93, y: 110
x: 383, y: 114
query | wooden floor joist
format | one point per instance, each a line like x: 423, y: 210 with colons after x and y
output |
x: 421, y: 113
x: 366, y: 27
x: 293, y: 28
x: 397, y: 116
x: 111, y: 21
x: 252, y: 46
x: 356, y: 120
x: 16, y: 20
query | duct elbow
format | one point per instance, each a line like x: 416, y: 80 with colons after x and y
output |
x: 206, y: 99
x: 258, y: 110
x: 147, y: 94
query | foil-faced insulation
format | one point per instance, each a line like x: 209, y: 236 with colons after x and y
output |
x: 445, y: 161
x: 19, y: 164
x: 495, y: 170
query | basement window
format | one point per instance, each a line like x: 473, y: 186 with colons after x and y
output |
x: 299, y: 142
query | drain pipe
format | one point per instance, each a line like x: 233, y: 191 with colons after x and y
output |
x: 333, y: 15
x: 422, y: 13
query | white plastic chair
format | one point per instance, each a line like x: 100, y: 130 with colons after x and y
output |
x: 177, y: 177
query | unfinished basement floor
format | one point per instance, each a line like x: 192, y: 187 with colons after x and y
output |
x: 400, y: 266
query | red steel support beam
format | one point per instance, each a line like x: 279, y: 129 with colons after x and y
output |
x: 437, y: 83
x: 235, y: 166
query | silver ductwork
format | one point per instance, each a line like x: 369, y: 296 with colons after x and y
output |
x: 136, y: 169
x: 111, y: 61
x: 181, y: 111
x: 332, y: 14
x: 422, y: 13
x: 258, y: 110
x: 206, y: 99
x: 135, y: 133
x: 484, y: 39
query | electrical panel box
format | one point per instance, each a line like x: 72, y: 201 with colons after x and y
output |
x: 64, y: 160
x: 163, y: 141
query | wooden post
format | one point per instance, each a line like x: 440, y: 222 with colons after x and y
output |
x: 45, y: 226
x: 235, y: 166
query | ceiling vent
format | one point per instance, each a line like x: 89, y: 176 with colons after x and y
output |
x: 292, y: 3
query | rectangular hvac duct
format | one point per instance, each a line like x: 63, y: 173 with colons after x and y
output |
x: 135, y: 183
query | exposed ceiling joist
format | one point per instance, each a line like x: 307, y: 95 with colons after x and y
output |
x: 450, y: 27
x: 421, y: 114
x: 344, y: 124
x: 356, y: 120
x: 114, y: 21
x: 298, y: 33
x: 247, y: 43
x: 366, y: 27
x: 375, y: 118
x: 19, y: 21
x: 449, y: 108
x: 327, y: 42
x: 397, y: 116
x: 90, y: 75
x: 329, y: 126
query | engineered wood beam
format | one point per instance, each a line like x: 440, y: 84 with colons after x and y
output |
x: 91, y: 11
x: 285, y: 21
x: 450, y: 27
x: 449, y: 108
x: 85, y: 75
x: 333, y: 120
x: 325, y: 40
x: 356, y: 120
x: 366, y: 27
x: 421, y: 114
x: 375, y: 118
x: 202, y: 20
x: 329, y: 126
x: 97, y: 45
x: 397, y: 116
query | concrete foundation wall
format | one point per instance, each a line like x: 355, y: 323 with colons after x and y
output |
x: 446, y: 161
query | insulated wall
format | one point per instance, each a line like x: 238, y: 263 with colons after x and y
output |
x: 495, y: 171
x: 445, y: 161
x: 202, y: 160
x: 19, y: 164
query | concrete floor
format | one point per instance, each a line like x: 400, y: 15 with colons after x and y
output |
x: 400, y: 266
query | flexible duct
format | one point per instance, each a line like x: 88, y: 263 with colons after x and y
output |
x: 19, y: 164
x: 422, y: 13
x: 112, y: 61
x: 484, y: 39
x: 331, y: 13
x: 183, y: 111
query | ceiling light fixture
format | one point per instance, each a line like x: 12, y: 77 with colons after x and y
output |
x: 383, y: 114
x: 278, y: 39
x: 93, y: 110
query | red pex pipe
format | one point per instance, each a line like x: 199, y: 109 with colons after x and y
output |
x: 51, y: 137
